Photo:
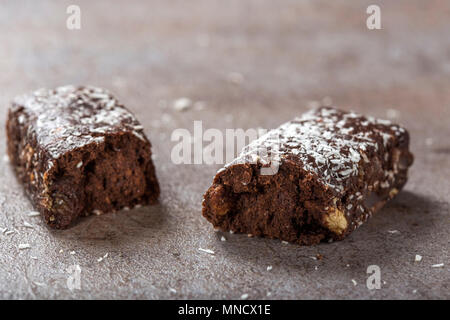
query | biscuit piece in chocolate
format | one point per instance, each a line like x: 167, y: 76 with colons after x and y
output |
x: 78, y: 151
x: 316, y: 178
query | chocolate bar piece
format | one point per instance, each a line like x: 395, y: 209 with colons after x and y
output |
x: 316, y: 178
x: 78, y: 151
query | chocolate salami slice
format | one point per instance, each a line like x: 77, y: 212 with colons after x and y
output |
x: 78, y: 151
x: 316, y: 178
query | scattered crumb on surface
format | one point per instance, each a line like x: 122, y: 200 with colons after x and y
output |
x: 244, y: 296
x: 418, y: 258
x: 39, y: 284
x: 206, y: 251
x: 269, y: 268
x: 23, y: 246
x: 72, y: 252
x: 33, y: 214
x: 27, y: 225
x: 223, y: 238
x: 102, y: 258
x: 438, y: 265
x: 393, y: 231
x: 182, y: 104
x: 354, y: 282
x: 172, y: 290
x: 284, y: 242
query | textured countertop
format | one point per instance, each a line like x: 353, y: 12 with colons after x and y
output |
x: 246, y: 64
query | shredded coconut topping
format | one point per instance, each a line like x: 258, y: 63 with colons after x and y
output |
x: 329, y: 143
x: 70, y: 117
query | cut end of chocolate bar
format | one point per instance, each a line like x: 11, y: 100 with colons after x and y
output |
x: 272, y: 206
x: 78, y: 152
x: 333, y: 171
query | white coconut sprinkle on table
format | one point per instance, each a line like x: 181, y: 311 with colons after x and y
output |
x: 206, y: 250
x: 438, y: 265
x: 27, y: 225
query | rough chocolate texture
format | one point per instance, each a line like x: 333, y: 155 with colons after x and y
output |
x: 316, y: 178
x: 78, y: 151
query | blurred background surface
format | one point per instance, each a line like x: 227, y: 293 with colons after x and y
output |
x: 242, y: 64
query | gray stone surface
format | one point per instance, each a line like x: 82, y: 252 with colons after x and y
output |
x: 152, y: 53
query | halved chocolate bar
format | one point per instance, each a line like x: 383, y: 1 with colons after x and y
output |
x: 78, y: 151
x: 316, y: 178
